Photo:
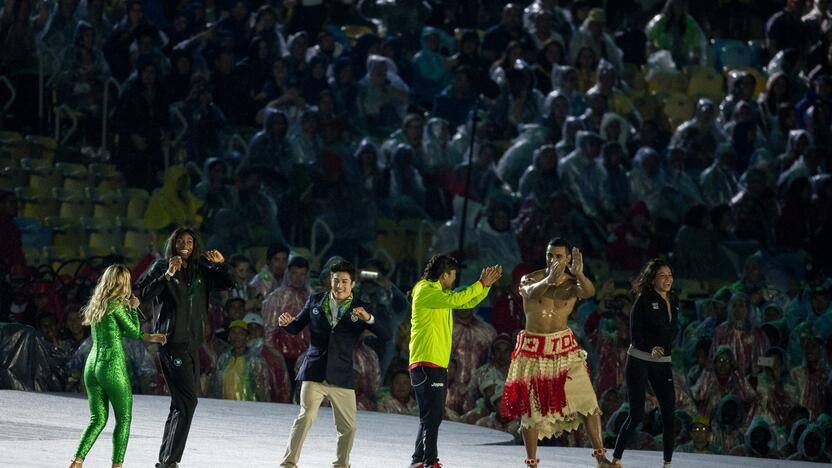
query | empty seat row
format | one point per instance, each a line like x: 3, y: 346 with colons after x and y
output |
x: 82, y: 202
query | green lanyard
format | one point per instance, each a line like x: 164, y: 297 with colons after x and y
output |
x: 328, y: 309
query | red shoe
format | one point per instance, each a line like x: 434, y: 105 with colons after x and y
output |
x: 435, y: 464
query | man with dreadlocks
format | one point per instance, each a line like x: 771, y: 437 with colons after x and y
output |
x: 430, y: 344
x: 548, y: 384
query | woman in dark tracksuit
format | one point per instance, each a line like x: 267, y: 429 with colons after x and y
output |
x: 653, y: 326
x: 178, y: 287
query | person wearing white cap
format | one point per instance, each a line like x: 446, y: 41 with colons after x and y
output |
x: 256, y: 326
x: 280, y: 387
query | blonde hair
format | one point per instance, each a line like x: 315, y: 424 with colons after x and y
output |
x: 113, y: 285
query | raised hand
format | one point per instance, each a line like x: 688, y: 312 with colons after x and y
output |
x: 484, y: 275
x: 577, y: 266
x: 174, y: 264
x: 361, y: 313
x: 491, y: 274
x: 214, y: 256
x: 496, y: 273
x: 134, y: 302
x: 285, y: 319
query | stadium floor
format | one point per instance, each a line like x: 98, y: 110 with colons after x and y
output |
x: 42, y: 430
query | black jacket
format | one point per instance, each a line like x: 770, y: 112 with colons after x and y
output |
x: 180, y: 305
x: 649, y: 323
x: 329, y: 356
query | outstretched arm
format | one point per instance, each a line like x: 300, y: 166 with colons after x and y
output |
x: 128, y: 321
x: 431, y: 298
x: 469, y: 297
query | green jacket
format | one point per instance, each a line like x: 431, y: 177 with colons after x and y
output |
x: 431, y: 322
x: 659, y: 37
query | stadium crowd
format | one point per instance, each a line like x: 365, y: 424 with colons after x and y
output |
x: 633, y: 128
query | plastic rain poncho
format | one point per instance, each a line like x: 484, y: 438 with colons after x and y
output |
x: 520, y: 154
x: 243, y: 377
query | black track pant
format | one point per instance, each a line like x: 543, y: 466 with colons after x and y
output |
x: 660, y: 376
x: 430, y: 385
x: 181, y: 370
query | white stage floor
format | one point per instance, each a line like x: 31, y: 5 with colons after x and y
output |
x: 42, y: 430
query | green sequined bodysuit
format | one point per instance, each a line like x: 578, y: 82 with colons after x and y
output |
x: 106, y: 378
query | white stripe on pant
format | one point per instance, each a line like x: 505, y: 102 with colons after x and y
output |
x: 343, y: 411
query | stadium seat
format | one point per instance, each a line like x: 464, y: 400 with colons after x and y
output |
x: 666, y: 82
x: 354, y: 31
x: 137, y: 200
x: 12, y: 145
x: 107, y: 204
x: 56, y: 255
x: 67, y: 233
x: 691, y: 289
x: 133, y: 255
x: 41, y: 173
x: 7, y: 136
x: 706, y: 82
x: 135, y: 234
x: 88, y: 251
x: 74, y: 175
x: 74, y: 203
x: 400, y: 238
x: 678, y: 108
x: 36, y: 203
x: 757, y: 47
x: 35, y: 256
x: 33, y: 232
x: 103, y: 233
x: 734, y: 54
x: 7, y: 161
x: 41, y: 147
x: 106, y: 176
x: 12, y: 178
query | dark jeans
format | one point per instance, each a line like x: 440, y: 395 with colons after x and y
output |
x: 181, y: 370
x: 430, y: 385
x: 660, y: 376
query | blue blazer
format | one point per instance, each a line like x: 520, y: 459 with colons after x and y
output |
x: 329, y: 356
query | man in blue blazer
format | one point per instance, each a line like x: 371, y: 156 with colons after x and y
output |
x: 336, y: 321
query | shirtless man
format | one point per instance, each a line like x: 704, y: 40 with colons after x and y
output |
x: 548, y: 383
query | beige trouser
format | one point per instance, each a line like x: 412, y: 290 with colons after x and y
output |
x: 343, y: 410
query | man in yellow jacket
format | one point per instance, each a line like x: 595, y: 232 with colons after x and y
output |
x: 433, y: 301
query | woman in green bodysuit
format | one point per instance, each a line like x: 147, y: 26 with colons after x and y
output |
x: 112, y: 313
